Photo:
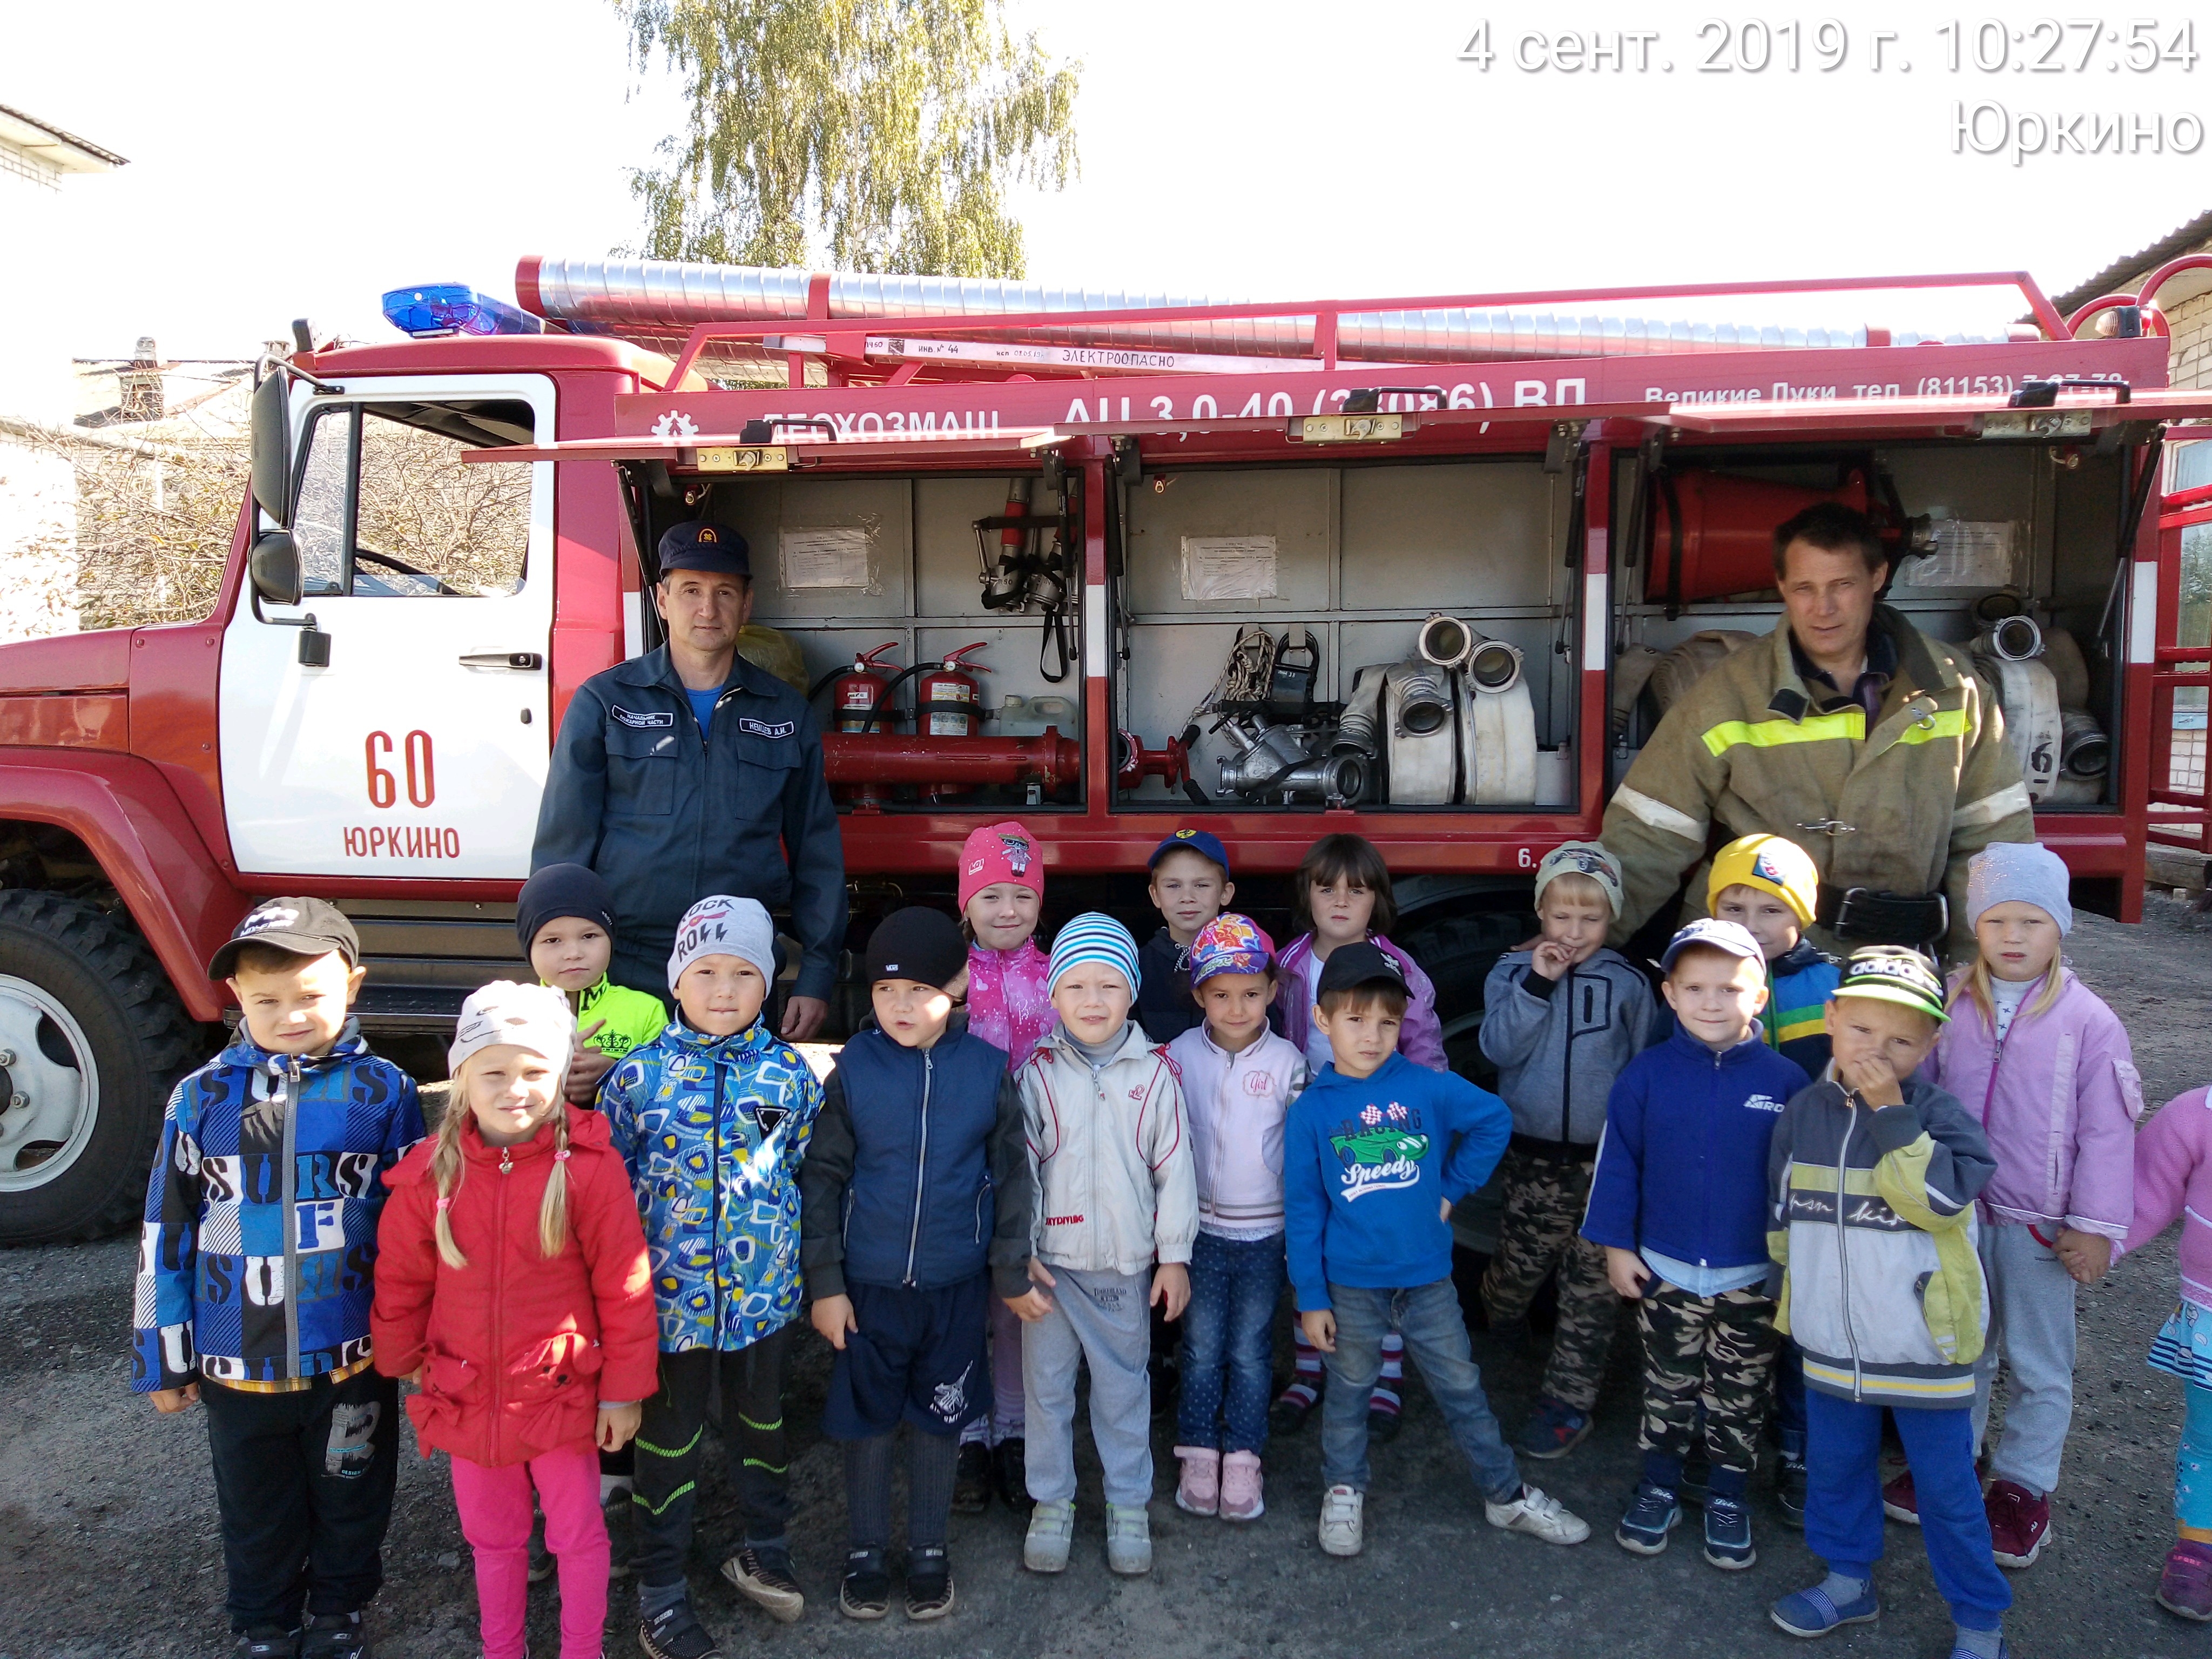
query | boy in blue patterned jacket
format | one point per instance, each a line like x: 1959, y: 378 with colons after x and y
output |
x: 712, y: 1118
x: 255, y: 1278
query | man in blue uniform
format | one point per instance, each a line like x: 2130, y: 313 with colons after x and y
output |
x: 689, y: 771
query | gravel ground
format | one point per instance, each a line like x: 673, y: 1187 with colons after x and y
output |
x: 109, y: 1543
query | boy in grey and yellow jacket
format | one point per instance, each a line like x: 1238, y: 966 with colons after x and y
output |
x: 1873, y: 1175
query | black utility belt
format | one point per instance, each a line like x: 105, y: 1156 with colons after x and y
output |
x: 1864, y: 916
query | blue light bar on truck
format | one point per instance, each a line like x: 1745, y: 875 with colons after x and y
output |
x: 437, y: 309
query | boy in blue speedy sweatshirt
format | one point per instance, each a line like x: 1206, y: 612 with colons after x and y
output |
x: 1679, y: 1205
x: 1375, y: 1152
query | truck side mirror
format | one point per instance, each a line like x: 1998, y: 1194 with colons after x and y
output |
x: 273, y: 566
x: 272, y: 457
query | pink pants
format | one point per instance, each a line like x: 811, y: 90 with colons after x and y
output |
x: 495, y: 1517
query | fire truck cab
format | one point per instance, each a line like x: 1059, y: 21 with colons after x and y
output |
x: 1427, y: 569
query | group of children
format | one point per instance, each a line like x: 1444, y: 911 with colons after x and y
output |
x: 1028, y: 1164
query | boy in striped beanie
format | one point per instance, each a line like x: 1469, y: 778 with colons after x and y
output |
x: 1117, y: 1211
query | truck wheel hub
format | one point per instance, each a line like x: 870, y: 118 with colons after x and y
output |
x: 49, y: 1094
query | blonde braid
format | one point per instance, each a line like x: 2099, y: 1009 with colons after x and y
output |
x: 447, y: 1168
x: 553, y: 1213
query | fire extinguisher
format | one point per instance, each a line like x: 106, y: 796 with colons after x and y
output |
x: 947, y: 703
x: 858, y: 692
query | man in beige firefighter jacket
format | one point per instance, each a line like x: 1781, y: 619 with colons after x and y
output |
x: 1847, y: 731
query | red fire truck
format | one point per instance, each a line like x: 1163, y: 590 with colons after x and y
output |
x: 1428, y: 568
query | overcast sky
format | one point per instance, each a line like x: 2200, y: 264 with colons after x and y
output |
x: 289, y: 159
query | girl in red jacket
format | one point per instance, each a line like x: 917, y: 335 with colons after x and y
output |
x: 511, y: 1284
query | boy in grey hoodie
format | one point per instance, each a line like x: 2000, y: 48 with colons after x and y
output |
x: 1560, y: 1022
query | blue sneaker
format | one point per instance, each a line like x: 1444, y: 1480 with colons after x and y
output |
x: 1728, y: 1533
x: 1810, y: 1612
x: 1554, y: 1429
x: 1652, y: 1514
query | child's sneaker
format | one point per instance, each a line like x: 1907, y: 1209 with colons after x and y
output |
x: 1383, y: 1422
x: 1128, y: 1539
x: 762, y: 1572
x: 1050, y: 1537
x: 1652, y: 1514
x: 334, y: 1636
x: 542, y: 1564
x: 675, y: 1632
x: 1538, y: 1516
x: 971, y: 1479
x: 1554, y: 1429
x: 1899, y: 1502
x: 272, y: 1642
x: 2185, y: 1587
x: 865, y: 1592
x: 1343, y: 1528
x: 1199, y: 1491
x: 1288, y: 1414
x: 928, y: 1584
x: 1790, y: 1481
x: 1240, y: 1487
x: 1810, y: 1612
x: 1728, y: 1534
x: 1010, y: 1468
x: 2020, y: 1523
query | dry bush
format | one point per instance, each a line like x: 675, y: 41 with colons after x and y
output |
x: 153, y: 532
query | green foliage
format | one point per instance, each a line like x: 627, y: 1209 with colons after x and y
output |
x: 892, y: 127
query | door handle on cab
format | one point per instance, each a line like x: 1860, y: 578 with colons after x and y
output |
x: 525, y: 661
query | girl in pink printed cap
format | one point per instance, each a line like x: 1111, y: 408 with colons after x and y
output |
x: 1010, y: 1006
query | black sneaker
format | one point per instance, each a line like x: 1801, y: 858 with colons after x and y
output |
x: 971, y: 1480
x: 675, y: 1633
x: 1160, y: 1371
x: 865, y: 1592
x: 762, y: 1572
x: 1697, y: 1481
x: 1289, y: 1412
x: 928, y: 1584
x: 1382, y: 1426
x: 1789, y: 1482
x: 1652, y: 1514
x: 267, y: 1642
x: 1011, y: 1458
x: 542, y: 1564
x: 334, y: 1636
x: 1728, y: 1533
x: 622, y: 1533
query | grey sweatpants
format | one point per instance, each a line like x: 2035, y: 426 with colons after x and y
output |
x: 2032, y: 1329
x: 1100, y: 1318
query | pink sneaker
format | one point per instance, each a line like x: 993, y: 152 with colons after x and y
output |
x: 1241, y: 1483
x: 1199, y: 1491
x: 2185, y: 1586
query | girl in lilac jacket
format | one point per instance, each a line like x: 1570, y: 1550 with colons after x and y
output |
x: 2173, y: 1183
x: 2045, y: 1067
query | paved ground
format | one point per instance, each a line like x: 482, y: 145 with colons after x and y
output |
x: 107, y: 1526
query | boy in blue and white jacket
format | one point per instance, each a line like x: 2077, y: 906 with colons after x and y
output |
x: 1375, y: 1152
x: 1679, y: 1205
x: 712, y: 1119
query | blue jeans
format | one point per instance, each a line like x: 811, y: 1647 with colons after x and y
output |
x: 1227, y: 1333
x: 1429, y: 1318
x: 1842, y: 1499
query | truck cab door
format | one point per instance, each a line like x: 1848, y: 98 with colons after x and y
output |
x: 404, y: 732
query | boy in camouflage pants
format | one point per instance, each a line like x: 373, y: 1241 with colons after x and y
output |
x: 1560, y: 1021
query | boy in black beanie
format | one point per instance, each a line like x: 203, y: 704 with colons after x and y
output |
x: 564, y: 917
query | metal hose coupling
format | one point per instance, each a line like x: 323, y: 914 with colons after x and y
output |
x: 2013, y: 639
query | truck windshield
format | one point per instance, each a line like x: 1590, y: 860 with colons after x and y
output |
x: 386, y: 509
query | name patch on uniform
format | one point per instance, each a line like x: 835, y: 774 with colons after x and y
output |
x: 767, y: 728
x: 651, y: 721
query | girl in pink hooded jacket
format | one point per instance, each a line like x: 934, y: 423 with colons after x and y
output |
x: 2045, y: 1065
x: 1009, y: 1006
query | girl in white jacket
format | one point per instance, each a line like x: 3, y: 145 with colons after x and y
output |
x: 1117, y: 1208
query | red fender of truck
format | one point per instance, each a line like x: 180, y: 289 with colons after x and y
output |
x: 123, y: 809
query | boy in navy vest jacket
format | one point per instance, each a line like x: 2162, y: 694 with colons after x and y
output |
x: 917, y: 1180
x: 1679, y: 1204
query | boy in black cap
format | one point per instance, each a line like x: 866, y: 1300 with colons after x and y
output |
x: 254, y: 1281
x: 565, y: 918
x: 918, y: 1158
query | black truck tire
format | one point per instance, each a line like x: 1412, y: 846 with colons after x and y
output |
x: 135, y: 1042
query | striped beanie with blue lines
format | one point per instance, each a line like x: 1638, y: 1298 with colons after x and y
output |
x: 1093, y: 936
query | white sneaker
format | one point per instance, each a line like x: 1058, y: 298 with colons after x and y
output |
x: 1343, y: 1531
x: 1539, y: 1516
x: 1128, y: 1539
x: 1050, y: 1536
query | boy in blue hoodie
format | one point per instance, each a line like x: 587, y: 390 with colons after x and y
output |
x: 1375, y: 1152
x: 1679, y: 1205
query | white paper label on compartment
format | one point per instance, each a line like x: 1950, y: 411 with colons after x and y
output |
x: 830, y: 556
x: 1229, y: 567
x: 1967, y: 553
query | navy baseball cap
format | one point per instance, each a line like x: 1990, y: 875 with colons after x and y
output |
x: 1204, y: 842
x: 695, y: 544
x: 1361, y: 963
